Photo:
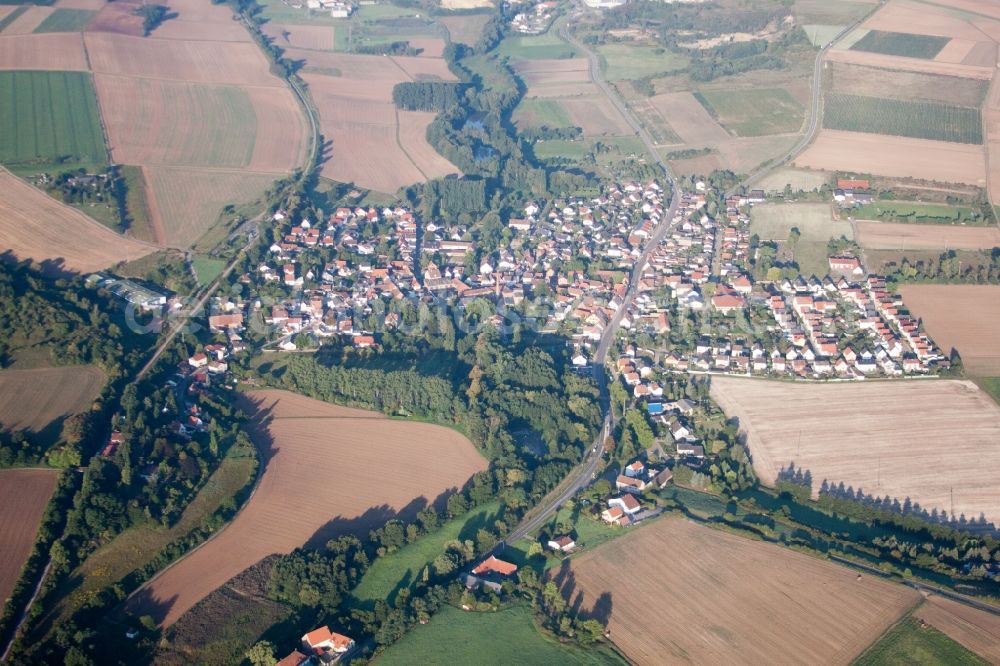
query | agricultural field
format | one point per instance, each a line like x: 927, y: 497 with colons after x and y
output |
x: 464, y: 28
x: 48, y: 118
x: 896, y: 117
x: 841, y: 433
x: 374, y: 146
x: 316, y: 37
x: 904, y: 236
x: 58, y: 238
x: 977, y: 630
x: 754, y: 112
x: 188, y: 202
x: 317, y: 483
x: 901, y: 44
x: 910, y: 643
x: 624, y: 62
x: 723, y: 598
x: 491, y: 639
x: 66, y: 20
x: 882, y: 155
x: 547, y: 46
x: 964, y: 317
x: 24, y: 493
x: 53, y: 51
x: 848, y: 79
x: 37, y: 401
x: 541, y: 111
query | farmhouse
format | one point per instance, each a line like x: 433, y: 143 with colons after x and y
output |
x: 846, y: 264
x: 492, y: 565
x: 327, y: 645
x: 296, y: 658
x: 563, y: 544
x: 630, y: 484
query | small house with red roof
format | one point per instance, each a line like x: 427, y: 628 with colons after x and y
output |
x: 327, y: 645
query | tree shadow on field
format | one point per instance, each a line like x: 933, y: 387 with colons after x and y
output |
x: 565, y: 580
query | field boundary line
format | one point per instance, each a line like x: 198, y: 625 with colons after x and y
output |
x: 403, y: 148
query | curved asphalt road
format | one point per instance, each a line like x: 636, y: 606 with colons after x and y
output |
x: 584, y: 473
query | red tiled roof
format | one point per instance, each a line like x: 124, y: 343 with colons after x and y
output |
x: 492, y: 564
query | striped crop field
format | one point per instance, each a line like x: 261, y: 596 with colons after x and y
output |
x: 897, y: 117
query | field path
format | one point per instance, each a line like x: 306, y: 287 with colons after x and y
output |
x: 328, y: 470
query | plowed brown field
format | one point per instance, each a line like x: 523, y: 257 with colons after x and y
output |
x: 23, y: 496
x: 892, y: 62
x: 38, y: 400
x: 977, y: 630
x: 892, y: 236
x: 329, y: 470
x: 936, y: 442
x: 36, y: 226
x: 966, y: 317
x: 674, y: 592
x: 895, y: 156
x: 319, y: 37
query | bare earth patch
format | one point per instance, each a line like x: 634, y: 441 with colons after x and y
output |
x: 328, y: 471
x: 966, y: 317
x: 892, y: 236
x: 35, y: 226
x: 23, y: 496
x: 895, y: 156
x: 920, y: 439
x: 676, y: 592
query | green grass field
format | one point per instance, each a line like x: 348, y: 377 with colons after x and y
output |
x: 907, y: 644
x: 538, y: 111
x: 559, y: 148
x: 207, y: 268
x: 901, y: 44
x: 508, y: 636
x: 622, y: 62
x: 391, y: 573
x: 920, y: 120
x: 136, y: 203
x: 991, y: 385
x: 536, y: 47
x: 66, y: 20
x: 754, y: 112
x: 919, y: 213
x: 48, y: 118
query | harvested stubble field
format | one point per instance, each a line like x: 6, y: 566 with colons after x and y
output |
x: 902, y: 236
x: 799, y: 179
x: 689, y: 119
x: 413, y: 140
x: 56, y: 51
x: 35, y: 226
x: 549, y: 71
x: 883, y: 437
x: 910, y: 16
x: 315, y: 37
x: 977, y: 630
x: 881, y: 155
x: 30, y: 19
x: 596, y: 116
x: 329, y: 470
x: 464, y: 29
x: 373, y: 146
x: 722, y: 598
x: 897, y: 117
x: 966, y: 317
x: 23, y: 496
x: 851, y: 79
x: 185, y: 202
x: 237, y: 63
x: 899, y: 63
x: 38, y: 400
